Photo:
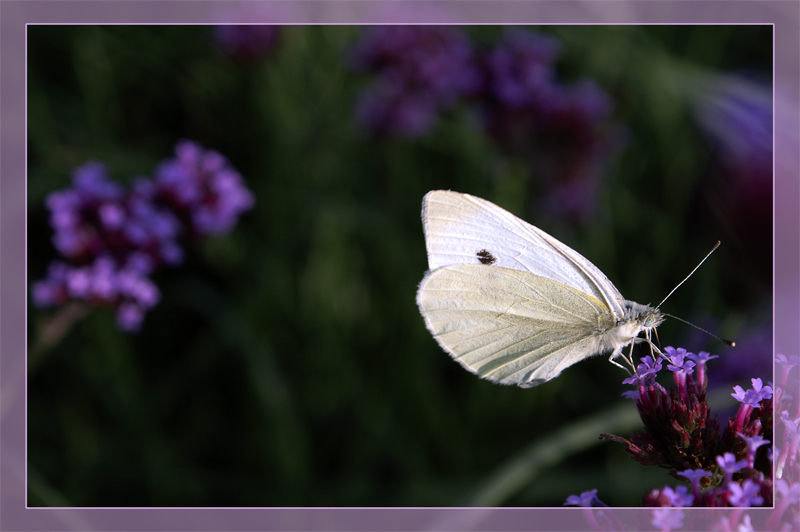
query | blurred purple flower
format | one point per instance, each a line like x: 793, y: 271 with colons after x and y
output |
x: 788, y: 362
x: 246, y: 41
x: 586, y: 499
x: 745, y: 494
x: 789, y: 493
x: 695, y: 476
x: 519, y: 72
x: 199, y: 186
x: 792, y: 425
x: 561, y: 131
x: 114, y: 240
x: 679, y: 496
x: 667, y: 518
x: 420, y: 71
x: 736, y: 113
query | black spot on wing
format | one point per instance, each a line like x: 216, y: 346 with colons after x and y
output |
x: 485, y: 257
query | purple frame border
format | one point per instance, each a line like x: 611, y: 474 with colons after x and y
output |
x: 15, y: 14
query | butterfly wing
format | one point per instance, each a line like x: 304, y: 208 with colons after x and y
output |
x: 464, y: 229
x: 511, y: 326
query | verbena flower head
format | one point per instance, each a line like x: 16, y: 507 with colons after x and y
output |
x: 112, y: 240
x: 561, y: 131
x: 680, y: 434
x: 420, y: 71
x: 676, y: 357
x: 201, y: 186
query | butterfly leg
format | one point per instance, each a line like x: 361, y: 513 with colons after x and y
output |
x: 617, y: 352
x: 630, y: 357
x: 654, y: 347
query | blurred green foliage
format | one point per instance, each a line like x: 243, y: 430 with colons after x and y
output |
x: 287, y: 364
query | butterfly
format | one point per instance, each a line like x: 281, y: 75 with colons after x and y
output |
x: 511, y: 303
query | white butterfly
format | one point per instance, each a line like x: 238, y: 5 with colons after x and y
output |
x: 511, y: 303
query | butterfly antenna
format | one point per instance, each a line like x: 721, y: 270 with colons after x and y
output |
x: 724, y: 341
x: 687, y: 277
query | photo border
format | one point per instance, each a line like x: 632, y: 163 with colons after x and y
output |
x: 16, y: 14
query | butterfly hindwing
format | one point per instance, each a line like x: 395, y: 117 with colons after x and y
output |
x: 510, y: 326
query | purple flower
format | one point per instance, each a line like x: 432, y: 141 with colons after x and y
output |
x: 746, y: 494
x: 560, y: 130
x: 753, y: 396
x: 646, y: 371
x: 737, y: 113
x: 789, y: 493
x: 667, y: 518
x: 631, y: 394
x: 201, y: 186
x: 519, y: 70
x: 792, y: 425
x: 701, y: 358
x: 695, y: 476
x: 111, y: 215
x: 753, y: 443
x: 114, y: 240
x: 129, y: 317
x: 679, y: 496
x: 421, y: 70
x: 676, y: 356
x: 727, y: 462
x: 587, y: 499
x: 52, y: 289
x: 762, y: 392
x: 788, y: 362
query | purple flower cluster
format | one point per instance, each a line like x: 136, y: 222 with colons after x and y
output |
x: 419, y: 70
x: 729, y: 467
x: 246, y: 41
x: 112, y: 240
x: 560, y: 130
x: 738, y: 471
x: 201, y: 189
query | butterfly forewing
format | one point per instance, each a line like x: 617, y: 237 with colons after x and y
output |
x: 510, y: 326
x: 464, y: 229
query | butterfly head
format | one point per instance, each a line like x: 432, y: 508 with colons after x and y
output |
x: 645, y: 316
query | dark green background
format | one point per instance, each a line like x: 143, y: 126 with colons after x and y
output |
x: 287, y: 363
